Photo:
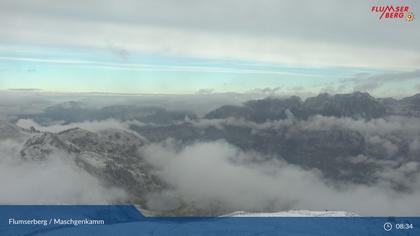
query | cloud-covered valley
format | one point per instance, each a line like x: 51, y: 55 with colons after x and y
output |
x: 217, y: 175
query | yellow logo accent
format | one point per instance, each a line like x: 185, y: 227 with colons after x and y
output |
x: 410, y: 16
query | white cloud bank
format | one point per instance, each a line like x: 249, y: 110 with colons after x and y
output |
x: 214, y: 174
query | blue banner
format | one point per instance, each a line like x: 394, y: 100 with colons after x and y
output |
x: 127, y: 220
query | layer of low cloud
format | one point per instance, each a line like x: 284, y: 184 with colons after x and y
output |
x: 216, y: 174
x: 390, y: 136
x: 386, y: 125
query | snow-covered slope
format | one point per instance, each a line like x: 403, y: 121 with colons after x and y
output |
x: 292, y: 213
x: 110, y: 155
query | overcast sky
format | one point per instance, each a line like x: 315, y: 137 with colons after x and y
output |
x: 163, y: 46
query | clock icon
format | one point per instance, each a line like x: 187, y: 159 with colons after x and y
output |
x: 387, y: 226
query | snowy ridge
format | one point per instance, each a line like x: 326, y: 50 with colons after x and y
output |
x: 292, y: 213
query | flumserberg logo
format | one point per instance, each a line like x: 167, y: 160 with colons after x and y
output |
x: 394, y: 12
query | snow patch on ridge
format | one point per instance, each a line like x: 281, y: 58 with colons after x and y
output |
x: 292, y: 213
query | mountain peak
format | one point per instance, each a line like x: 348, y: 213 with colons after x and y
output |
x: 356, y: 105
x: 68, y: 105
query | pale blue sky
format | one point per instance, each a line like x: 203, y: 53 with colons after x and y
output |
x: 90, y: 70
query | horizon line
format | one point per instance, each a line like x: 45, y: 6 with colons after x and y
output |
x: 274, y: 94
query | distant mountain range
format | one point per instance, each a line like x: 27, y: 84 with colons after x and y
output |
x: 355, y: 105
